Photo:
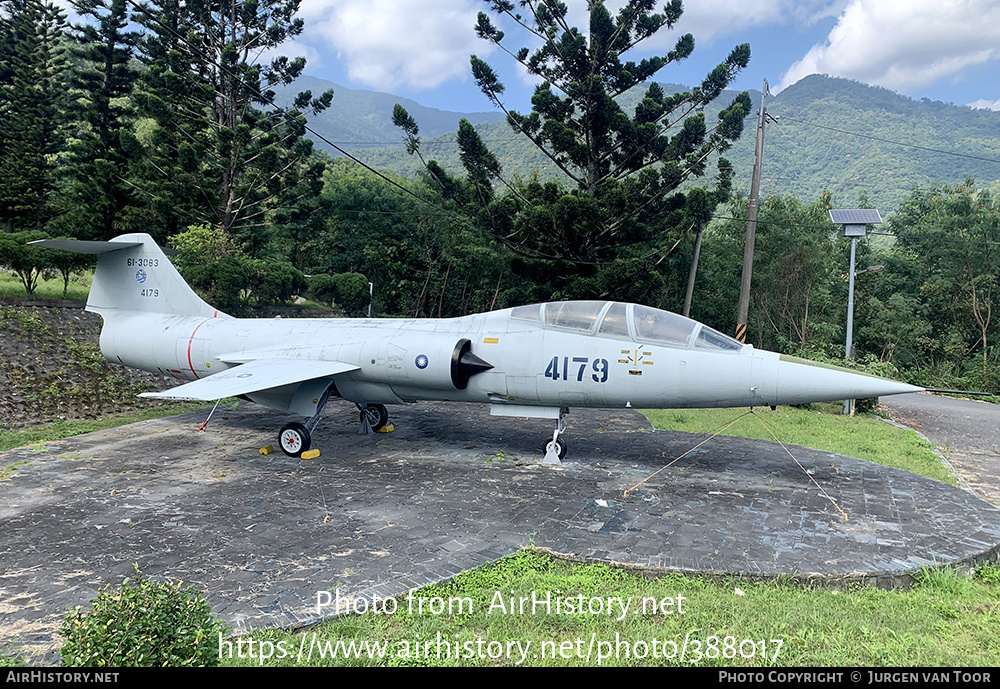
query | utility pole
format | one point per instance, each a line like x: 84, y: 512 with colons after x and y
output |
x: 692, y: 274
x: 741, y: 319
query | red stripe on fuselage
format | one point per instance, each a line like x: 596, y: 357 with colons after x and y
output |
x: 190, y: 342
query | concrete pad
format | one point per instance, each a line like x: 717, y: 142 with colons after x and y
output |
x: 450, y: 489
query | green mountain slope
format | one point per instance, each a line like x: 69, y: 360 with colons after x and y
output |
x: 833, y: 134
x: 839, y: 135
x: 517, y: 155
x: 360, y: 119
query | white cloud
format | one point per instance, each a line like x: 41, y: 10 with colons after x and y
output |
x: 388, y: 43
x: 905, y: 44
x: 424, y: 43
x: 709, y: 20
x: 983, y: 104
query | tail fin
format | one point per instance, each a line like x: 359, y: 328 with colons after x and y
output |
x: 134, y: 275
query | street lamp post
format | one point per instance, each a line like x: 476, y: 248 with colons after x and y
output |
x: 853, y: 223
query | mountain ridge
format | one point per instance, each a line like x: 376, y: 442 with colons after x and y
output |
x: 833, y: 134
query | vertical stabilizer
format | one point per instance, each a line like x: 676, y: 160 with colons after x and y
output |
x: 133, y: 275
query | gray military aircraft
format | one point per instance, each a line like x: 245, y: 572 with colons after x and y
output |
x: 528, y: 361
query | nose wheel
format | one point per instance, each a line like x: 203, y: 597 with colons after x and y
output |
x: 555, y: 449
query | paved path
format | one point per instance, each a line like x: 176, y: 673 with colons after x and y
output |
x: 449, y: 490
x: 966, y: 431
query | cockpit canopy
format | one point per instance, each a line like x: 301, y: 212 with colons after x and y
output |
x: 642, y: 324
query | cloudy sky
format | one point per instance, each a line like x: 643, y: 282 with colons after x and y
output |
x: 945, y: 50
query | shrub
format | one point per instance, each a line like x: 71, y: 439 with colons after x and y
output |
x: 142, y: 624
x: 323, y: 288
x: 347, y: 290
x: 352, y: 291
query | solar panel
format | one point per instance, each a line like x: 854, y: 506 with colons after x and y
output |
x: 856, y: 216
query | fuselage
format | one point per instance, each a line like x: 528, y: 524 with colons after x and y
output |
x: 561, y: 354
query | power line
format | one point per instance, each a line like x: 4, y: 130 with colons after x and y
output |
x: 833, y: 228
x: 785, y: 118
x: 284, y: 113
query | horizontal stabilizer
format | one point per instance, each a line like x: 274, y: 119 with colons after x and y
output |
x: 255, y: 376
x: 79, y: 246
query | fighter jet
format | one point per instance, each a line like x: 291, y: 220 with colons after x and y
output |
x: 528, y: 361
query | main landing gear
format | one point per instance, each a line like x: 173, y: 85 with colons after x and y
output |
x: 373, y: 417
x: 295, y: 438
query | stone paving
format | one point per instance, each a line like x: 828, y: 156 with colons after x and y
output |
x: 450, y: 489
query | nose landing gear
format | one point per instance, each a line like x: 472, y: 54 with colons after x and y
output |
x: 556, y: 448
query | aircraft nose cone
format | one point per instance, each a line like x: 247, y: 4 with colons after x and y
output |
x: 801, y: 381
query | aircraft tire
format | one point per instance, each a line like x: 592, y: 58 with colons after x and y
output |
x: 294, y: 439
x: 378, y: 415
x: 561, y: 447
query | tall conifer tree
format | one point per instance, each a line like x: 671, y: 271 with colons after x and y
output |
x: 228, y: 155
x: 625, y: 168
x: 99, y: 194
x: 32, y: 104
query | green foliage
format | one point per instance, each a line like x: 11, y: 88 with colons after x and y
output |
x: 274, y: 282
x: 953, y: 233
x: 795, y: 297
x: 217, y: 267
x: 213, y: 264
x: 323, y: 288
x: 29, y: 263
x: 421, y: 261
x: 624, y: 169
x: 220, y: 158
x: 201, y: 244
x: 68, y: 264
x: 98, y: 193
x: 350, y: 291
x: 32, y: 109
x: 142, y: 624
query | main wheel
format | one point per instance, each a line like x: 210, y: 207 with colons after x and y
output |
x: 378, y: 415
x: 560, y: 447
x: 294, y: 439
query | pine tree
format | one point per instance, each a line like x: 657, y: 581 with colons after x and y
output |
x: 625, y: 168
x: 104, y: 144
x: 31, y: 108
x: 236, y: 156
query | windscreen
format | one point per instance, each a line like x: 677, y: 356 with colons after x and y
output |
x: 654, y: 325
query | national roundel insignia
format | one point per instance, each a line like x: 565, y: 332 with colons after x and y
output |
x: 140, y: 276
x: 421, y: 361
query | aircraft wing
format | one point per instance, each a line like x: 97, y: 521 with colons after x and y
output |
x: 257, y: 375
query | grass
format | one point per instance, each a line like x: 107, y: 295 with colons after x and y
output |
x: 57, y: 430
x: 47, y: 288
x: 943, y: 620
x: 819, y: 426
